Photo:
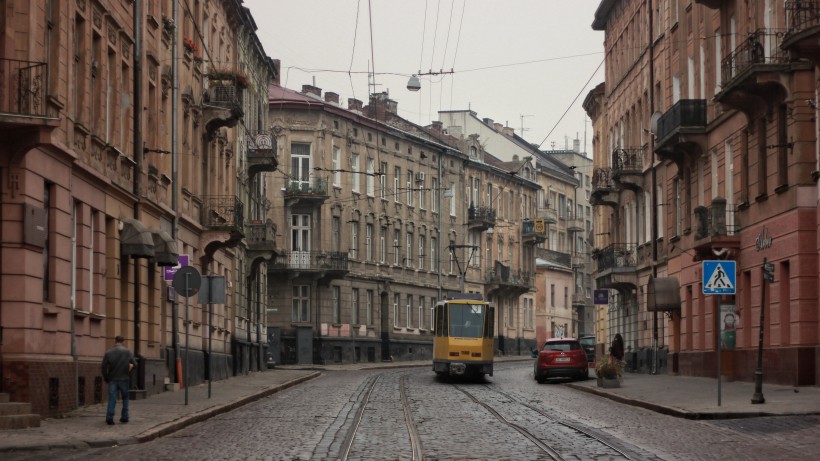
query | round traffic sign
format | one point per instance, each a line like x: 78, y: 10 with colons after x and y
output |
x: 187, y: 281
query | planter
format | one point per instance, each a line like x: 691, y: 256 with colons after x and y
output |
x: 609, y: 383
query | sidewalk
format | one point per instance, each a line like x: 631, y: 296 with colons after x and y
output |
x: 166, y: 413
x: 697, y: 398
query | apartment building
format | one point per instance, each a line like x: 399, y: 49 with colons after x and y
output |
x: 97, y: 205
x: 384, y: 217
x: 719, y: 97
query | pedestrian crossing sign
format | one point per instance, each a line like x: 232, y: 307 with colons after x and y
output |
x: 719, y: 277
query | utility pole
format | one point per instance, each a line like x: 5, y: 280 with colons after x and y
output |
x: 462, y: 271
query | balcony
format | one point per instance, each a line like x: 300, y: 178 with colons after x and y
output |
x: 23, y: 102
x: 616, y: 265
x: 574, y: 222
x: 803, y: 29
x: 261, y: 236
x: 579, y: 261
x: 554, y: 257
x: 579, y: 300
x: 480, y: 218
x: 318, y: 265
x: 627, y: 167
x: 261, y: 152
x: 752, y: 71
x: 604, y: 190
x: 222, y: 212
x: 312, y: 191
x: 549, y: 215
x: 681, y: 131
x: 223, y: 101
x: 712, y: 232
x: 533, y: 231
x: 501, y: 281
x: 713, y: 4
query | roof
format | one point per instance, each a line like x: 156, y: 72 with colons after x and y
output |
x: 602, y: 14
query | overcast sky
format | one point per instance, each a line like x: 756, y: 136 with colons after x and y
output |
x: 509, y: 59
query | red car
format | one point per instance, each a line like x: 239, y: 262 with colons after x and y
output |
x: 561, y: 358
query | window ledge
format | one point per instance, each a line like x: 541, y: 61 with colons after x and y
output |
x: 50, y: 309
x: 79, y: 313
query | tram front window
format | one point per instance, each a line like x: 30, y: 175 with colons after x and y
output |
x: 466, y: 321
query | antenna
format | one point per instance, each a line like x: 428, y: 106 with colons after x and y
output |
x: 522, y: 125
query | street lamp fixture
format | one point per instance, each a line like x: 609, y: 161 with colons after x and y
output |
x: 414, y: 84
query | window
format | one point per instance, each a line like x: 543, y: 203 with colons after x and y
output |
x: 436, y: 195
x: 369, y: 308
x: 335, y: 238
x: 395, y: 310
x: 371, y: 177
x: 432, y: 315
x: 396, y: 247
x: 511, y: 315
x: 354, y: 240
x: 409, y: 312
x: 452, y: 192
x: 383, y: 180
x: 355, y: 314
x: 354, y: 166
x: 300, y: 165
x: 552, y: 295
x: 421, y: 312
x: 408, y: 257
x: 337, y: 173
x: 421, y: 184
x: 382, y: 246
x: 47, y: 187
x: 368, y: 242
x: 336, y: 305
x: 433, y: 262
x: 301, y: 303
x: 396, y: 182
x: 410, y: 187
x: 422, y: 244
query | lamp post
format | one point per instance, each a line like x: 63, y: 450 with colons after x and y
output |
x: 414, y: 83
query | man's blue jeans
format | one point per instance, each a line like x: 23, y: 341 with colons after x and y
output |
x: 114, y: 388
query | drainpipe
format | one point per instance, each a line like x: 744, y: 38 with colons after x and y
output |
x: 174, y: 177
x: 138, y: 154
x: 653, y: 194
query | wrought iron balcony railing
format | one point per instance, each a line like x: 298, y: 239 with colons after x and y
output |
x: 311, y: 260
x: 760, y: 47
x: 617, y: 256
x: 534, y: 229
x: 627, y: 160
x: 260, y: 142
x: 801, y: 15
x: 508, y: 277
x: 549, y: 215
x: 24, y: 87
x: 483, y: 216
x: 261, y: 234
x: 686, y: 113
x: 313, y: 187
x: 222, y: 211
x: 602, y: 179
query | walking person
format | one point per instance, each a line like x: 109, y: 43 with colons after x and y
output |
x: 616, y: 351
x: 116, y: 371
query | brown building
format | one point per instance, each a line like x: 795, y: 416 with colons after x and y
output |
x: 727, y: 175
x: 96, y: 203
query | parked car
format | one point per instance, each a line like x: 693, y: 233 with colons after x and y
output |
x: 561, y: 358
x: 588, y: 343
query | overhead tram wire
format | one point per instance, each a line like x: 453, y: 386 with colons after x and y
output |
x: 455, y: 53
x: 353, y: 51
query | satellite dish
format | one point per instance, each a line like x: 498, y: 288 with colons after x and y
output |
x: 653, y: 122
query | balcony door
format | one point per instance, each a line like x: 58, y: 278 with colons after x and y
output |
x: 300, y: 166
x: 300, y: 241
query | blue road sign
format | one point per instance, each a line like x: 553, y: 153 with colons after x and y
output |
x: 719, y: 277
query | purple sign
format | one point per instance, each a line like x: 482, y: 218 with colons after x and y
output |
x: 601, y: 296
x: 171, y: 270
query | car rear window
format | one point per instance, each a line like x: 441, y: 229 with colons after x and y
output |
x: 590, y: 341
x: 562, y: 346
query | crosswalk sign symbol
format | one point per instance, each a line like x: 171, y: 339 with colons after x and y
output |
x: 719, y: 277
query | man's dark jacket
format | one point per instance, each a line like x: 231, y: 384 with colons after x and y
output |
x: 115, y: 363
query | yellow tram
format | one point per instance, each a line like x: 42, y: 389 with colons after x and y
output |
x: 464, y: 340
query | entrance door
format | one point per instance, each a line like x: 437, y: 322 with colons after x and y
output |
x: 300, y: 241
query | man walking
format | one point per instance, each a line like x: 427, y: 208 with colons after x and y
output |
x: 116, y: 368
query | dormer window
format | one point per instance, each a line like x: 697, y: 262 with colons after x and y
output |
x: 473, y: 152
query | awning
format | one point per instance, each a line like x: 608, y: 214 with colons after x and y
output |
x: 663, y: 294
x: 136, y: 241
x: 165, y: 249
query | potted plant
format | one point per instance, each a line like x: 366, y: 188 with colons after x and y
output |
x: 608, y: 372
x: 227, y: 75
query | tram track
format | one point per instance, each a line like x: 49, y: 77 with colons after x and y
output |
x: 416, y: 451
x: 548, y: 448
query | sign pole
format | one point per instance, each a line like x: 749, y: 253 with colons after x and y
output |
x: 718, y: 345
x: 757, y: 397
x: 187, y: 343
x: 210, y: 333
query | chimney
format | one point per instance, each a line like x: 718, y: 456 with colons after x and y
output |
x: 354, y: 104
x: 438, y: 126
x: 312, y: 90
x: 277, y: 66
x: 332, y: 97
x: 498, y: 127
x: 381, y: 105
x: 508, y: 131
x: 576, y: 145
x: 488, y: 121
